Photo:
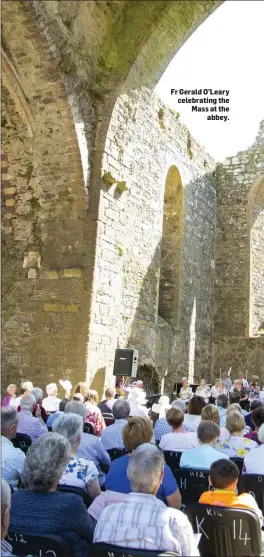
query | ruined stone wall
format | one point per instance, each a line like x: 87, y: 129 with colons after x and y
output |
x: 145, y: 139
x: 239, y: 302
x: 45, y: 306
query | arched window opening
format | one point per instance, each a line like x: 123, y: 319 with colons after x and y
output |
x: 256, y: 222
x: 170, y: 265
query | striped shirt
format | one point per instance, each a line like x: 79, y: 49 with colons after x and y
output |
x: 112, y: 436
x: 29, y: 425
x: 144, y: 522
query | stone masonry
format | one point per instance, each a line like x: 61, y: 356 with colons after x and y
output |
x: 116, y: 231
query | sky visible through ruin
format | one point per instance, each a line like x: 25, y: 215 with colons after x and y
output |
x: 225, y: 52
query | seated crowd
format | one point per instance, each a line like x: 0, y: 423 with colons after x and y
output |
x: 66, y: 481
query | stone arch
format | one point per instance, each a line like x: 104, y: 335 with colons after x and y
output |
x: 256, y: 240
x: 148, y: 374
x: 170, y: 264
x: 46, y: 303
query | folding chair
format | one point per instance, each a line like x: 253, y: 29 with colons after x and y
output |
x: 225, y: 531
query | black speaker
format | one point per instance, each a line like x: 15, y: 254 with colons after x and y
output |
x: 126, y: 362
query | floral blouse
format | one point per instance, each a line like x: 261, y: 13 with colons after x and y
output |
x: 94, y: 417
x: 79, y: 472
x: 186, y: 394
x: 236, y: 446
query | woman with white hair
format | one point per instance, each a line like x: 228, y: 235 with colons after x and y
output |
x: 236, y: 445
x: 79, y: 472
x: 254, y: 460
x: 51, y: 402
x: 40, y: 508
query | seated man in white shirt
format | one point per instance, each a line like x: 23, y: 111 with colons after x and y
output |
x: 12, y: 461
x: 142, y: 521
x: 51, y: 402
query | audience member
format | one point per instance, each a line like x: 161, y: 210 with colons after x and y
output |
x: 202, y: 457
x: 137, y: 401
x: 193, y: 417
x: 178, y: 440
x: 112, y: 435
x: 93, y: 413
x: 222, y: 404
x: 90, y: 446
x: 39, y: 508
x: 80, y: 472
x: 234, y: 398
x: 258, y: 420
x: 223, y: 478
x: 11, y: 396
x: 185, y: 393
x: 235, y: 445
x: 248, y: 418
x: 139, y: 430
x: 6, y: 549
x: 254, y: 460
x: 142, y: 521
x: 53, y: 417
x: 203, y: 390
x: 107, y: 404
x: 162, y: 427
x: 51, y: 402
x: 27, y: 423
x: 38, y: 394
x: 12, y: 459
x: 210, y: 412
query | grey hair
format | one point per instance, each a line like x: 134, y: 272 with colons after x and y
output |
x: 121, y: 409
x: 70, y: 425
x: 5, y: 496
x: 46, y: 461
x: 37, y: 393
x: 179, y: 403
x: 145, y: 467
x: 75, y: 407
x: 261, y: 433
x: 27, y: 402
x: 52, y: 389
x: 9, y: 416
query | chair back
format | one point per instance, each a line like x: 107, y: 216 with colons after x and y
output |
x: 225, y: 530
x: 108, y: 418
x: 116, y: 453
x: 77, y: 491
x: 192, y: 483
x: 105, y: 550
x: 239, y: 462
x: 39, y: 546
x: 253, y: 484
x: 22, y: 441
x: 172, y: 458
x: 88, y: 428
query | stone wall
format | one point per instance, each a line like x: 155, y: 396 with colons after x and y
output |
x: 145, y: 139
x: 239, y: 287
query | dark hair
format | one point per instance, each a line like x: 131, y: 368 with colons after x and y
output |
x: 223, y: 473
x: 222, y: 401
x: 255, y: 404
x: 234, y: 397
x: 174, y: 417
x: 63, y: 404
x: 258, y: 416
x: 196, y: 404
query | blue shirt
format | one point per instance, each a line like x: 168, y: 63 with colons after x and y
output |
x: 200, y: 458
x: 117, y: 479
x: 55, y: 513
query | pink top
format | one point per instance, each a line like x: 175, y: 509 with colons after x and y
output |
x: 101, y: 501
